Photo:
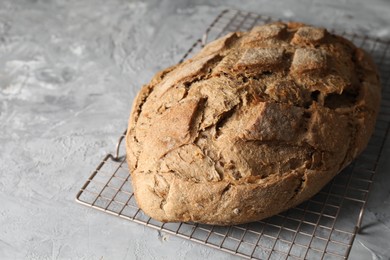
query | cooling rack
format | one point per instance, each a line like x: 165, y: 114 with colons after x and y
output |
x: 323, y: 227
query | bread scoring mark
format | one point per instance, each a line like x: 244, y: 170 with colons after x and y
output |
x: 286, y: 91
x: 260, y: 59
x: 221, y: 44
x: 272, y: 121
x: 145, y: 93
x: 187, y: 72
x: 189, y: 162
x: 182, y: 128
x: 223, y: 118
x: 308, y: 35
x: 306, y: 59
x: 221, y: 97
x: 264, y: 32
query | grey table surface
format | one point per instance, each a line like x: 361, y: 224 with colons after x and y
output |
x: 68, y: 73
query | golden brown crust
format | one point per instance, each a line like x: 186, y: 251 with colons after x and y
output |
x: 255, y: 123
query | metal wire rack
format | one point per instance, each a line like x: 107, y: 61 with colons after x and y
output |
x: 323, y: 227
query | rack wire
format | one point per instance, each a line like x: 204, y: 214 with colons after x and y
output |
x: 324, y: 227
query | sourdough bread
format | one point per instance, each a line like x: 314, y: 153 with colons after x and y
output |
x: 255, y: 123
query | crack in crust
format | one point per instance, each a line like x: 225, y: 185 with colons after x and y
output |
x: 255, y: 123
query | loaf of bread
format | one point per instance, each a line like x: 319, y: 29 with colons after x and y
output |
x: 255, y: 123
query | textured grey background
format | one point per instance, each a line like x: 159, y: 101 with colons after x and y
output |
x: 68, y: 73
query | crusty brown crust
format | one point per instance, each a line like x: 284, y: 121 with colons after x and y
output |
x: 254, y: 124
